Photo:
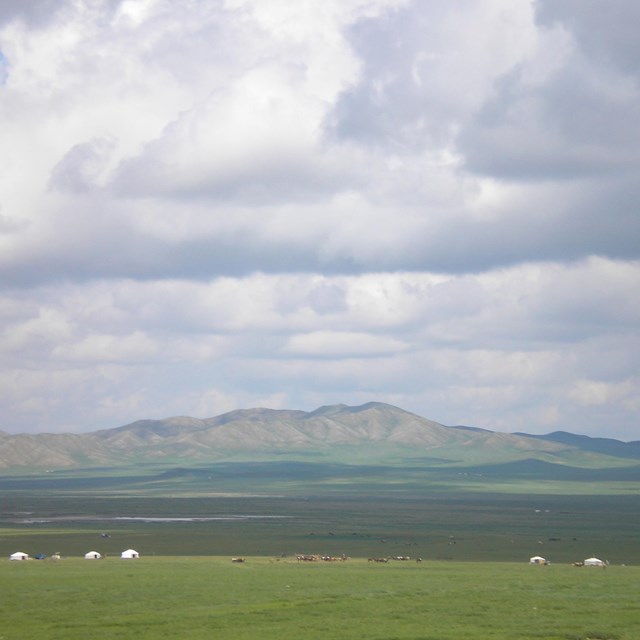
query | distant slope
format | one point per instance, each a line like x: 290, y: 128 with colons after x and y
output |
x: 51, y: 450
x: 606, y: 446
x: 532, y: 469
x: 373, y: 432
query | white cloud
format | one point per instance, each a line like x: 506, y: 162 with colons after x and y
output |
x: 290, y: 204
x: 108, y: 348
x: 594, y: 393
x: 339, y: 344
x: 491, y: 349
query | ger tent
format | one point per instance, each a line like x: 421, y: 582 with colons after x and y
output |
x: 92, y: 555
x: 594, y: 562
x: 19, y: 555
x: 130, y: 553
x: 537, y: 560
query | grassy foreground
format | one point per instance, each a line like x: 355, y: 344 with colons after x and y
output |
x: 209, y: 597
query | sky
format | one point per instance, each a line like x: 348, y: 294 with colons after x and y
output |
x: 209, y: 205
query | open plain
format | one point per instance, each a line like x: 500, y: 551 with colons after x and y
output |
x: 264, y: 597
x: 473, y: 579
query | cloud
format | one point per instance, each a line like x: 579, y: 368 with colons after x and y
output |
x: 425, y: 72
x: 609, y: 36
x: 34, y: 13
x: 82, y: 168
x: 337, y: 344
x: 256, y: 142
x: 292, y: 204
x: 492, y: 346
x: 577, y: 121
x: 108, y: 348
x: 246, y: 160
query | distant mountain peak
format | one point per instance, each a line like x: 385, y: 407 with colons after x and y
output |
x: 327, y: 410
x: 371, y: 432
x: 334, y: 409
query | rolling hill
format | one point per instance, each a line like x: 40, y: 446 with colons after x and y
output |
x: 371, y: 433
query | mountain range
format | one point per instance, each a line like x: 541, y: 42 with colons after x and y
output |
x: 373, y: 432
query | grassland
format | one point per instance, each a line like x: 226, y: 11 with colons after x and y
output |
x: 209, y: 597
x: 474, y: 528
x: 496, y: 513
x: 460, y: 527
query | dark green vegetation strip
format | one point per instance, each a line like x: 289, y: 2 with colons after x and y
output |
x: 305, y: 478
x: 203, y: 598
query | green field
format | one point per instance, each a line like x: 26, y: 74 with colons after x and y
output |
x: 209, y: 597
x: 474, y: 530
x: 459, y: 527
x: 280, y: 509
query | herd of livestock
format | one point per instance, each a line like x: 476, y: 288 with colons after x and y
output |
x: 343, y: 558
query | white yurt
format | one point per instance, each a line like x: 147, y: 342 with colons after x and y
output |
x: 19, y: 555
x: 594, y: 562
x: 92, y: 555
x: 129, y: 554
x: 537, y: 560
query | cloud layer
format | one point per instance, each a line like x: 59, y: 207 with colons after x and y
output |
x: 240, y: 203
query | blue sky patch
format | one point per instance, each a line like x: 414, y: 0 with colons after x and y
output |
x: 4, y: 69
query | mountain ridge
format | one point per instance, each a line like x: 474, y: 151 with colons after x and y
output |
x: 364, y: 433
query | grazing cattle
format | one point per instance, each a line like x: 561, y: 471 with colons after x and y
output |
x: 418, y: 559
x: 402, y: 558
x: 578, y: 564
x: 307, y: 558
x: 237, y: 559
x: 378, y: 560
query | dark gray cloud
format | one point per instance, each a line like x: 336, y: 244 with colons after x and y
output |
x: 103, y: 238
x: 33, y: 12
x: 38, y: 14
x: 396, y: 102
x: 571, y: 126
x: 605, y: 32
x: 577, y: 121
